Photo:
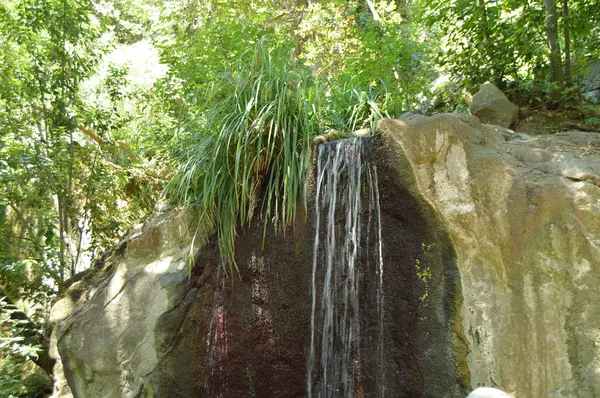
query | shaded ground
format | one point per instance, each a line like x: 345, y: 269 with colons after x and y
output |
x: 539, y: 121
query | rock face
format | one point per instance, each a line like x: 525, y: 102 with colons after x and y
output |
x: 590, y: 82
x: 138, y: 327
x: 523, y: 214
x: 491, y: 106
x: 114, y: 328
x: 508, y: 226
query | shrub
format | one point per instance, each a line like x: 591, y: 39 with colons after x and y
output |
x: 253, y: 134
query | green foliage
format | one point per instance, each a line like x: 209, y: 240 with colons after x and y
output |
x: 492, y: 41
x: 504, y: 41
x: 64, y: 173
x: 199, y: 41
x: 424, y: 271
x: 244, y: 130
x: 11, y: 383
x: 53, y: 43
x: 251, y: 138
x: 348, y: 109
x: 14, y: 354
x: 584, y: 18
x: 68, y: 188
x: 347, y: 45
x: 253, y: 135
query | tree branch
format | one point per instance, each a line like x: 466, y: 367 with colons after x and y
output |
x: 376, y: 16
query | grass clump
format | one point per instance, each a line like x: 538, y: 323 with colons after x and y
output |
x: 349, y: 108
x: 254, y: 141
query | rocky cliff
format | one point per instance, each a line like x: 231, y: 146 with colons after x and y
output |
x: 507, y: 227
x: 523, y: 214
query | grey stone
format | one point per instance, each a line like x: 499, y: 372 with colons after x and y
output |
x: 524, y: 217
x: 590, y: 81
x: 591, y: 76
x: 107, y: 327
x: 491, y: 106
x: 592, y: 96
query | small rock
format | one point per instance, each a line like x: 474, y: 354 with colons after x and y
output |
x: 491, y: 106
x: 488, y: 392
x: 593, y: 96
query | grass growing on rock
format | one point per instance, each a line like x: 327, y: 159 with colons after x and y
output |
x: 260, y: 118
x: 253, y: 141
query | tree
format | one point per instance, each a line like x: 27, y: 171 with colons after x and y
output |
x: 514, y: 44
x: 567, y: 39
x: 553, y: 44
x: 58, y: 186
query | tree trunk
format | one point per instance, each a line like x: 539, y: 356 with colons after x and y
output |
x: 552, y: 33
x: 374, y: 12
x: 484, y: 22
x: 567, y: 42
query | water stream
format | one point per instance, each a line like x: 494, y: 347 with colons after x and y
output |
x: 216, y: 340
x: 347, y: 274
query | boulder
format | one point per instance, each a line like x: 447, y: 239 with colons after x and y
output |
x: 592, y: 96
x: 524, y: 218
x: 114, y: 327
x: 142, y: 326
x: 491, y: 106
x: 590, y: 79
x: 511, y: 224
x: 587, y: 74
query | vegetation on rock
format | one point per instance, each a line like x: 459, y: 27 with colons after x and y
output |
x: 255, y: 135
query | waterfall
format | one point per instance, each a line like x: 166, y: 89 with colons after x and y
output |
x: 348, y: 269
x: 216, y: 340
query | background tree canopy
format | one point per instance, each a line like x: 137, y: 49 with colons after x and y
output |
x: 107, y: 107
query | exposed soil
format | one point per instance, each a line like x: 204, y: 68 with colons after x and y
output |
x: 539, y: 121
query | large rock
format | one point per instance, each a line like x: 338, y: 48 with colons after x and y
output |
x: 591, y: 76
x: 512, y: 227
x: 523, y: 214
x: 590, y: 81
x: 114, y: 328
x: 139, y: 327
x: 491, y: 106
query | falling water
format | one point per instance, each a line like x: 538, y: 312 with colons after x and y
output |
x: 216, y: 341
x: 348, y: 266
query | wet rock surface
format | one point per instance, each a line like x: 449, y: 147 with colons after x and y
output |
x: 267, y: 308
